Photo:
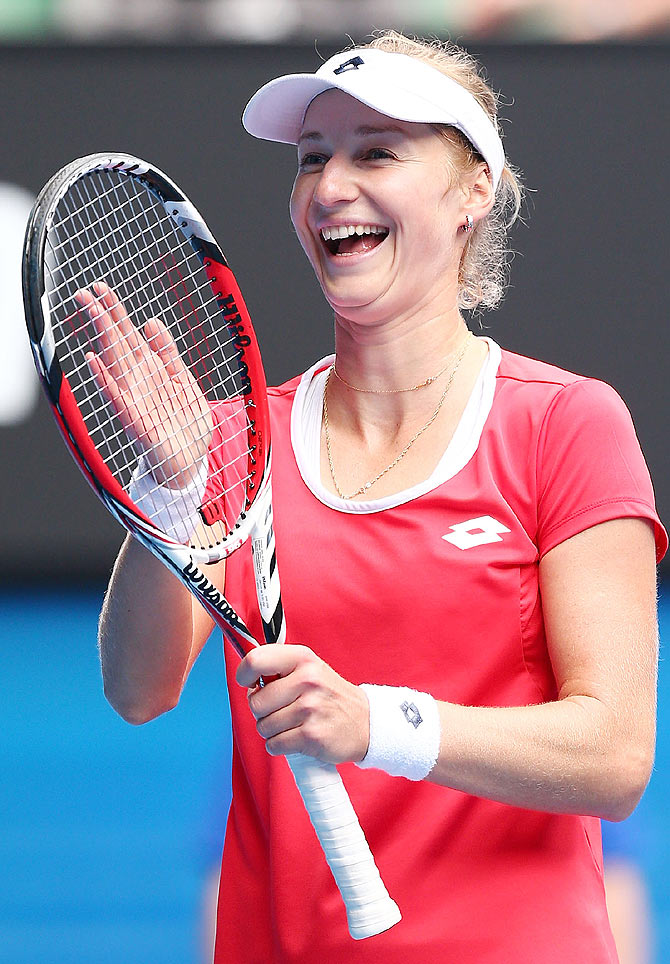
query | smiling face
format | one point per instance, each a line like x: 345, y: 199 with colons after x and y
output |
x: 375, y: 211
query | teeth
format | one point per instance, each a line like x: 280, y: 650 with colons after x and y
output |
x: 346, y: 230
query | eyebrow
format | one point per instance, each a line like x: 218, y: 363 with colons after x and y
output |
x: 364, y: 131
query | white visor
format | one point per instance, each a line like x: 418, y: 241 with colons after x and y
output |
x: 396, y: 85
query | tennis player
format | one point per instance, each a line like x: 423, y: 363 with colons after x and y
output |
x: 467, y: 542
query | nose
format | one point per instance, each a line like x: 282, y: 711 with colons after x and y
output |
x: 337, y: 182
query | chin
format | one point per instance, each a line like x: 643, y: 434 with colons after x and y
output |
x: 344, y: 304
x: 357, y: 305
x: 362, y: 315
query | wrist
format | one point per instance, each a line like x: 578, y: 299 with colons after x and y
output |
x: 404, y: 731
x: 175, y: 511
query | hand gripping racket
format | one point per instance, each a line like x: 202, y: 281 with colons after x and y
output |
x: 147, y: 355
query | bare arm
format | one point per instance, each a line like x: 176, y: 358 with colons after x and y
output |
x: 151, y: 629
x: 589, y: 751
x: 151, y: 632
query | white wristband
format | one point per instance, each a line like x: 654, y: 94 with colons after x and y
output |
x: 404, y: 731
x: 175, y: 511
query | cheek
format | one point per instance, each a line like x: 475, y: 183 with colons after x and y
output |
x: 297, y: 209
x: 440, y: 224
x: 293, y: 206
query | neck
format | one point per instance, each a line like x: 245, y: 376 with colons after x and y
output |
x: 393, y: 357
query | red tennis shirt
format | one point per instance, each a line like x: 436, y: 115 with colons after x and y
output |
x: 438, y: 592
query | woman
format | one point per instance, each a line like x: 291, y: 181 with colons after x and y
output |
x: 466, y: 544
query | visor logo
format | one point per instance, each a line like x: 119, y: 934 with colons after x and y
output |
x: 352, y: 64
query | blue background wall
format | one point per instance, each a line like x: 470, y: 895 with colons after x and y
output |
x: 109, y: 832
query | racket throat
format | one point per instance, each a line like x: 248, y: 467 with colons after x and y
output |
x: 265, y: 570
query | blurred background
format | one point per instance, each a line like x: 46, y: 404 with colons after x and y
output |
x: 112, y: 834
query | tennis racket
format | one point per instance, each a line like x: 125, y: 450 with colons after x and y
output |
x: 147, y: 355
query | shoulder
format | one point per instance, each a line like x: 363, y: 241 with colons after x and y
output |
x: 532, y: 371
x: 561, y: 417
x: 281, y: 400
x: 282, y: 397
x: 288, y: 389
x: 519, y: 369
x: 285, y: 391
x: 547, y: 390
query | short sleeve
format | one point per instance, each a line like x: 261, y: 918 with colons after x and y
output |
x: 590, y: 467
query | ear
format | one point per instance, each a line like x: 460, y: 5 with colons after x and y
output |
x: 478, y: 194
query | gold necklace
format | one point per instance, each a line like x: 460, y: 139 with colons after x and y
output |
x: 395, y: 391
x: 411, y: 442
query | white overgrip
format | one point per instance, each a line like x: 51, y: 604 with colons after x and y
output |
x: 370, y: 909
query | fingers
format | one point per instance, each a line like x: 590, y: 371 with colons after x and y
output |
x: 309, y: 709
x: 143, y: 378
x: 156, y: 335
x: 285, y: 719
x: 148, y: 363
x: 141, y: 365
x: 117, y: 313
x: 281, y: 721
x: 266, y: 661
x: 161, y: 341
x: 279, y: 707
x: 272, y: 697
x: 163, y: 344
x: 115, y: 338
x: 122, y: 406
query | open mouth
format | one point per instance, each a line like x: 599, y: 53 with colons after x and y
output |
x: 346, y: 239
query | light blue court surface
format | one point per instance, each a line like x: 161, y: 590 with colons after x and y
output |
x: 108, y: 831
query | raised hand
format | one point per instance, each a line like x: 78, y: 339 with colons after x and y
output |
x: 141, y: 375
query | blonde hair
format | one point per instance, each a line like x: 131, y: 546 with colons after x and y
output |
x: 485, y: 262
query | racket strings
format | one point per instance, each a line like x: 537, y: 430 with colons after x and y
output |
x: 109, y: 228
x: 120, y: 256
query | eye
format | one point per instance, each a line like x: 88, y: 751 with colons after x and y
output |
x: 379, y: 154
x: 311, y: 159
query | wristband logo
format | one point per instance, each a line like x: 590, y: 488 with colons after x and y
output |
x: 412, y: 715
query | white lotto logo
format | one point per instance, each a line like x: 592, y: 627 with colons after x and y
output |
x: 476, y: 532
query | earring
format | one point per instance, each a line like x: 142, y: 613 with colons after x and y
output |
x: 469, y: 224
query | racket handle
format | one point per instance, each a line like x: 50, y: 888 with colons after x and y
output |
x: 370, y: 909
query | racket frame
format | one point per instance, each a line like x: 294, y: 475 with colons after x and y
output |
x: 184, y: 561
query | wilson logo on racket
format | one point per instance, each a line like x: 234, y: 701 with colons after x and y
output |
x: 240, y: 340
x: 210, y: 592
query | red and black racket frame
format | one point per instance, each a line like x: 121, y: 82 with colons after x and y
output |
x: 179, y: 558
